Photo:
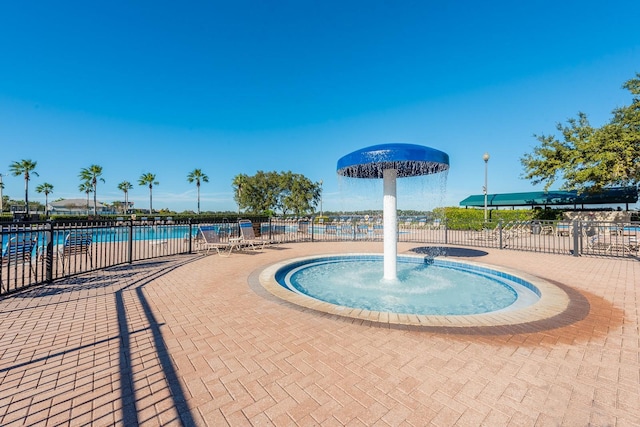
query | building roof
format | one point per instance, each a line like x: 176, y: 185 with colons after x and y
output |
x: 617, y: 195
x: 74, y: 203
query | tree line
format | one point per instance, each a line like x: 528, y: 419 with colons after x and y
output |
x: 263, y: 193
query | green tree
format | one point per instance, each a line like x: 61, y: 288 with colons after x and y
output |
x: 87, y: 188
x: 149, y: 179
x: 26, y: 168
x: 256, y: 194
x: 588, y: 158
x: 92, y: 174
x: 268, y: 192
x: 47, y: 189
x: 197, y: 175
x: 298, y: 194
x: 125, y: 186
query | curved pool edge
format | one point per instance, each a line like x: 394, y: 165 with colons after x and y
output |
x: 553, y: 301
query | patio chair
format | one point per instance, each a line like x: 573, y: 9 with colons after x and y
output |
x: 363, y: 231
x: 378, y: 232
x: 303, y: 229
x: 346, y: 230
x: 519, y: 229
x: 19, y: 250
x: 77, y: 242
x: 633, y: 244
x: 563, y: 228
x: 276, y: 231
x: 597, y: 242
x: 485, y: 234
x: 210, y: 239
x: 248, y: 236
x: 331, y: 229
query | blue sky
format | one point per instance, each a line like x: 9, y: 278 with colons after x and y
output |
x: 237, y: 87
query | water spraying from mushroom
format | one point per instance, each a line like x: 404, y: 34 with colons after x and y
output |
x: 389, y: 162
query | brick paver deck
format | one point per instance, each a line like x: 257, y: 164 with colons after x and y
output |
x: 194, y: 340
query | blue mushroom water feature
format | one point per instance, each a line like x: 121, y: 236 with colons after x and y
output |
x: 389, y: 162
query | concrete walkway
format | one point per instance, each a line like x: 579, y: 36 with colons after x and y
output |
x: 193, y: 340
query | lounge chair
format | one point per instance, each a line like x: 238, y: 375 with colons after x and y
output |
x: 208, y: 238
x: 633, y: 244
x: 378, y: 232
x: 248, y: 236
x: 275, y: 230
x: 363, y: 231
x: 488, y: 234
x: 564, y: 228
x: 303, y: 229
x: 18, y: 250
x: 75, y: 243
x: 614, y: 245
x: 346, y: 230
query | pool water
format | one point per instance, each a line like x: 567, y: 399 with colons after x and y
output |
x: 424, y: 286
x: 112, y: 234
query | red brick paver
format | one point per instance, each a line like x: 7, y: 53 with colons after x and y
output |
x: 195, y: 340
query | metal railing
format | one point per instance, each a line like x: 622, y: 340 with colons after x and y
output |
x: 67, y: 249
x: 62, y: 249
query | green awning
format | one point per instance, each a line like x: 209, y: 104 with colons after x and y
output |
x: 616, y: 195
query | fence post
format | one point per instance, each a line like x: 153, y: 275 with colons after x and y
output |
x: 313, y: 221
x: 354, y: 226
x: 190, y: 245
x: 446, y: 232
x: 576, y: 237
x: 130, y: 243
x: 49, y: 253
x: 500, y: 233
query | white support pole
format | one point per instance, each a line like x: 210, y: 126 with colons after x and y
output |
x: 390, y: 225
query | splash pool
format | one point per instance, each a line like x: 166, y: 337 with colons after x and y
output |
x: 424, y: 285
x: 429, y: 291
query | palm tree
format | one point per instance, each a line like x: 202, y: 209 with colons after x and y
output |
x: 47, y: 189
x: 239, y: 183
x: 86, y: 187
x: 125, y: 186
x: 197, y: 175
x: 1, y: 196
x: 91, y: 175
x: 150, y: 180
x: 24, y: 167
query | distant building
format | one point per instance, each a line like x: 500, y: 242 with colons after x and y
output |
x: 76, y: 207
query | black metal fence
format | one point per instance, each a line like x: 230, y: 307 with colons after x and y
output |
x: 40, y: 252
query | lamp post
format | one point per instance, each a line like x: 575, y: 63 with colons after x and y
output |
x: 321, y: 212
x: 485, y: 157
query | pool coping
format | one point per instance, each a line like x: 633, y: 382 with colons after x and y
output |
x: 553, y: 300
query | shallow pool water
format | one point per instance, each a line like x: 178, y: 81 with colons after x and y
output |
x: 424, y: 286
